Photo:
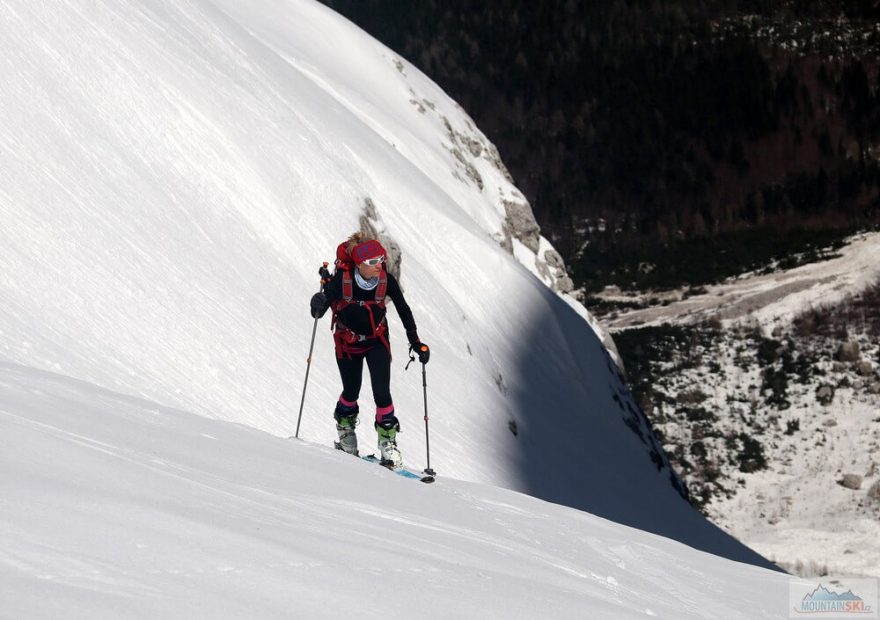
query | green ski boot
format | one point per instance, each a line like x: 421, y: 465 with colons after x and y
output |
x: 346, y: 421
x: 387, y: 429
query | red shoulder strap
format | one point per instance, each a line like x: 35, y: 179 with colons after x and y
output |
x: 347, y: 288
x: 382, y: 288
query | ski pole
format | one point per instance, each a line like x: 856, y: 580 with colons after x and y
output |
x: 428, y: 469
x: 325, y: 276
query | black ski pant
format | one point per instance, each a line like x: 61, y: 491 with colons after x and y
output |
x: 351, y: 369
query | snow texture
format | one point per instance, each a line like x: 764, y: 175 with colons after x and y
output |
x: 173, y: 174
x: 116, y: 507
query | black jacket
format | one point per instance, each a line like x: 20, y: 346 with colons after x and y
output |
x: 356, y: 317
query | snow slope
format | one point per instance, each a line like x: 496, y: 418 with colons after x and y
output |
x: 174, y: 172
x: 118, y: 507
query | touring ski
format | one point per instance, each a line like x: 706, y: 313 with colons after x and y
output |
x: 401, y: 471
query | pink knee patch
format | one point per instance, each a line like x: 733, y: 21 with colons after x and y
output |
x: 381, y: 412
x: 347, y: 403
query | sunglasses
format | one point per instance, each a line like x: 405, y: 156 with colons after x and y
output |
x: 372, y: 262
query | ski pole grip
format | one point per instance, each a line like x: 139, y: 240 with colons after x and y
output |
x: 325, y: 275
x: 424, y: 353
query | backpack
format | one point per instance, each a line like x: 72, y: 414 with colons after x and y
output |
x: 347, y: 341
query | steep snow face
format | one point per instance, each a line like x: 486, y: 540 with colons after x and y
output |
x: 207, y: 519
x: 173, y: 175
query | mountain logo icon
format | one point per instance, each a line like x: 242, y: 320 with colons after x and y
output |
x: 821, y: 593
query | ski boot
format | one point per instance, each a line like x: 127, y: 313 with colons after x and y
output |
x: 346, y: 421
x: 387, y: 428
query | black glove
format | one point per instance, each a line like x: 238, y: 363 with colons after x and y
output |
x: 422, y: 351
x: 325, y: 275
x: 319, y: 305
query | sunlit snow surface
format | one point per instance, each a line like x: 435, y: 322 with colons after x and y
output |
x: 172, y: 175
x: 114, y: 507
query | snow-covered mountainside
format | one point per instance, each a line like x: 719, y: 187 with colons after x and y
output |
x: 173, y: 174
x: 117, y: 507
x: 766, y: 391
x: 770, y: 300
